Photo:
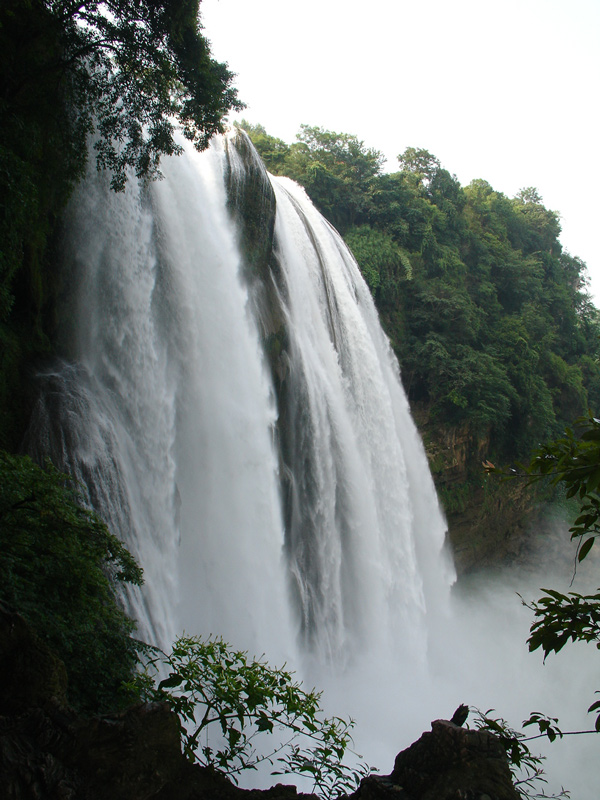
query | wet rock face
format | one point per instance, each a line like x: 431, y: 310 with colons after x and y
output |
x: 251, y: 201
x: 252, y: 204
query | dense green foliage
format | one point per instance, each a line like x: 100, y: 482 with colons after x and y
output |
x: 61, y: 569
x: 489, y: 317
x: 120, y: 74
x: 211, y: 686
x: 39, y: 161
x: 64, y: 572
x: 126, y: 71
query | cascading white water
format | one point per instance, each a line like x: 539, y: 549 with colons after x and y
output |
x: 168, y: 414
x: 366, y: 532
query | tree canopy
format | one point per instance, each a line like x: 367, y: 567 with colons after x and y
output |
x: 131, y: 68
x: 336, y: 169
x: 119, y: 76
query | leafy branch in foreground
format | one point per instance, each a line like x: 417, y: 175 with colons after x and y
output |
x: 525, y: 767
x: 228, y: 700
x: 572, y: 461
x: 560, y: 618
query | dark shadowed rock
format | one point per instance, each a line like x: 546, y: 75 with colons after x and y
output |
x: 460, y: 715
x: 31, y: 673
x: 448, y: 763
x: 47, y: 752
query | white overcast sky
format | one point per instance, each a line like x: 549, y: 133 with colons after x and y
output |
x: 505, y: 91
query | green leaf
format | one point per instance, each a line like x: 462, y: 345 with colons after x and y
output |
x: 594, y: 480
x: 585, y: 548
x: 218, y: 689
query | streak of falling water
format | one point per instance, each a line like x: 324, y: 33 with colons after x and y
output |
x: 366, y: 533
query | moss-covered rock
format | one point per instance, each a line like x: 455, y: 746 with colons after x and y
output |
x: 488, y: 519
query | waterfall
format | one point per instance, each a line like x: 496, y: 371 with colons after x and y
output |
x: 365, y: 531
x: 227, y: 398
x: 282, y: 500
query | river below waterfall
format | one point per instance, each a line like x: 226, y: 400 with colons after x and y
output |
x: 241, y: 424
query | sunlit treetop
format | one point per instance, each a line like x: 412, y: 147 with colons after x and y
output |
x: 135, y: 70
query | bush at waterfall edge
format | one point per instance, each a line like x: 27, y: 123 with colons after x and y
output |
x: 62, y: 569
x: 230, y: 700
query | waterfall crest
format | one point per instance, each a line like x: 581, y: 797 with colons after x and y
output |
x: 235, y: 411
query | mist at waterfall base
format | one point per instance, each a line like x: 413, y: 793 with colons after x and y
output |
x: 246, y: 433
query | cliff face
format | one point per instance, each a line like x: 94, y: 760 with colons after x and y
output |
x: 488, y: 519
x: 47, y: 752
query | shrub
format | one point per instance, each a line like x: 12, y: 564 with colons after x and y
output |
x: 61, y: 568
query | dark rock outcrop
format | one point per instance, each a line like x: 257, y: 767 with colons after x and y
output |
x: 48, y: 752
x: 31, y: 673
x: 136, y: 755
x: 446, y: 763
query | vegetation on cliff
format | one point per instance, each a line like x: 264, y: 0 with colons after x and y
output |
x: 571, y: 461
x: 63, y: 570
x: 489, y: 316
